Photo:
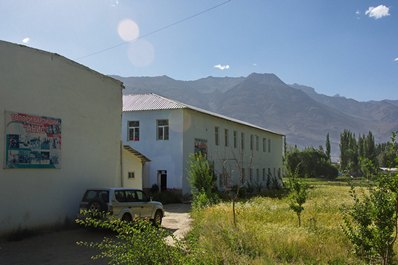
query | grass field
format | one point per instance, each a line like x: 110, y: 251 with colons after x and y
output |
x: 267, y: 230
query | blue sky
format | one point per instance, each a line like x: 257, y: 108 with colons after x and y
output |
x: 338, y: 47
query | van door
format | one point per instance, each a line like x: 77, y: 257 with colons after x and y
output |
x: 146, y: 205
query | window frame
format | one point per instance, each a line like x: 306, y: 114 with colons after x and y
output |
x: 164, y: 129
x: 133, y: 130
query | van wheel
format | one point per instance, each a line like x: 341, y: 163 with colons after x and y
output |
x: 126, y: 218
x: 157, y: 219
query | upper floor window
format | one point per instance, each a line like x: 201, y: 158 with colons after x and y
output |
x: 162, y: 129
x: 235, y: 139
x: 242, y: 141
x: 257, y: 142
x: 264, y: 144
x: 251, y: 141
x: 133, y: 131
x: 226, y: 137
x: 216, y: 136
x: 269, y: 145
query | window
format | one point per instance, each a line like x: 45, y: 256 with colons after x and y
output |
x: 235, y: 139
x: 269, y: 145
x: 251, y: 142
x: 269, y: 172
x: 264, y: 144
x: 251, y: 174
x: 131, y: 175
x: 257, y: 143
x: 226, y: 137
x: 133, y: 131
x: 242, y: 141
x: 216, y: 135
x: 163, y: 129
x: 263, y: 174
x: 243, y: 176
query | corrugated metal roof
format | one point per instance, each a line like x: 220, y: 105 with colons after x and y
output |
x: 151, y: 101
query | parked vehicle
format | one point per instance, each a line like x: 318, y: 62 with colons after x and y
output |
x: 123, y: 203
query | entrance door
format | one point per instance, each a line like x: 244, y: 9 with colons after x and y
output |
x: 162, y: 177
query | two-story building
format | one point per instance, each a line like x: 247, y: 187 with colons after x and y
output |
x: 168, y: 132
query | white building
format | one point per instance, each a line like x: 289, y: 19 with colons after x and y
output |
x: 59, y: 135
x: 168, y: 131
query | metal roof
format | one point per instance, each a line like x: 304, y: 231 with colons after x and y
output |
x: 138, y: 154
x: 151, y: 101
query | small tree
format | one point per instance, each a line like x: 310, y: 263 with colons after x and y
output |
x: 298, y: 195
x: 202, y: 180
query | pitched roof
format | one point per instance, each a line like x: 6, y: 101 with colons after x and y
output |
x: 151, y: 101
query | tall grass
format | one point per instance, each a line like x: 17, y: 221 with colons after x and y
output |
x: 267, y: 231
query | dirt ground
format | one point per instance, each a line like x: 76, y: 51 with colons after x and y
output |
x: 60, y: 247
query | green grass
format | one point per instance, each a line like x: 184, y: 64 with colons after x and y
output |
x: 267, y: 230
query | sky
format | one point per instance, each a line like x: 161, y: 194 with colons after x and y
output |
x: 344, y: 47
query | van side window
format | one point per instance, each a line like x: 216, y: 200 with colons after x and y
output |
x: 120, y: 196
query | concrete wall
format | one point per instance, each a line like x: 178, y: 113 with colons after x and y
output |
x: 231, y: 158
x: 131, y: 163
x: 164, y: 155
x: 89, y: 105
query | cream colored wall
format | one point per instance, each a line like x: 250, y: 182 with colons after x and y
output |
x: 201, y: 126
x: 132, y: 164
x: 89, y: 105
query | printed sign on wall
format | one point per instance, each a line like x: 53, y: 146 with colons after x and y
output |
x: 32, y: 141
x: 200, y: 146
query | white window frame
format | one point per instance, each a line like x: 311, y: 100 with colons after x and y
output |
x: 162, y: 130
x: 133, y: 131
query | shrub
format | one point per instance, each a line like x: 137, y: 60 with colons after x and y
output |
x: 135, y: 243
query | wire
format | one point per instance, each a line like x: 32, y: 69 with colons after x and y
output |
x: 157, y: 30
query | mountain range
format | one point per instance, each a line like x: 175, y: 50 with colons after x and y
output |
x: 297, y: 111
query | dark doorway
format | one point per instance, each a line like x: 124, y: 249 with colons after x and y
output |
x: 162, y: 175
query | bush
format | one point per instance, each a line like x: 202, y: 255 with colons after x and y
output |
x: 202, y: 199
x: 135, y: 243
x: 167, y: 196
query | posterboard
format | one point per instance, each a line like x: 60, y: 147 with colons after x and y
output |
x: 32, y: 141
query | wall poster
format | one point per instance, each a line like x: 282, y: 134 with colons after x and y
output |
x: 200, y: 146
x: 32, y: 141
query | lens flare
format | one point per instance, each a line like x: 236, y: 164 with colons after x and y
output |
x: 128, y: 30
x: 141, y: 53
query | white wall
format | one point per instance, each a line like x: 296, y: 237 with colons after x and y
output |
x: 186, y: 125
x: 89, y: 104
x: 131, y: 163
x: 164, y: 155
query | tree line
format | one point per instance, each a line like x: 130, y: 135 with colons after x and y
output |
x: 357, y: 156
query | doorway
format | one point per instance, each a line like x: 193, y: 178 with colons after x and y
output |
x: 162, y: 179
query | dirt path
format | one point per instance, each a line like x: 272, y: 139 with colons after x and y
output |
x: 60, y: 247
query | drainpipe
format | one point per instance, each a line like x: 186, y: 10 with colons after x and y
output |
x: 121, y: 165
